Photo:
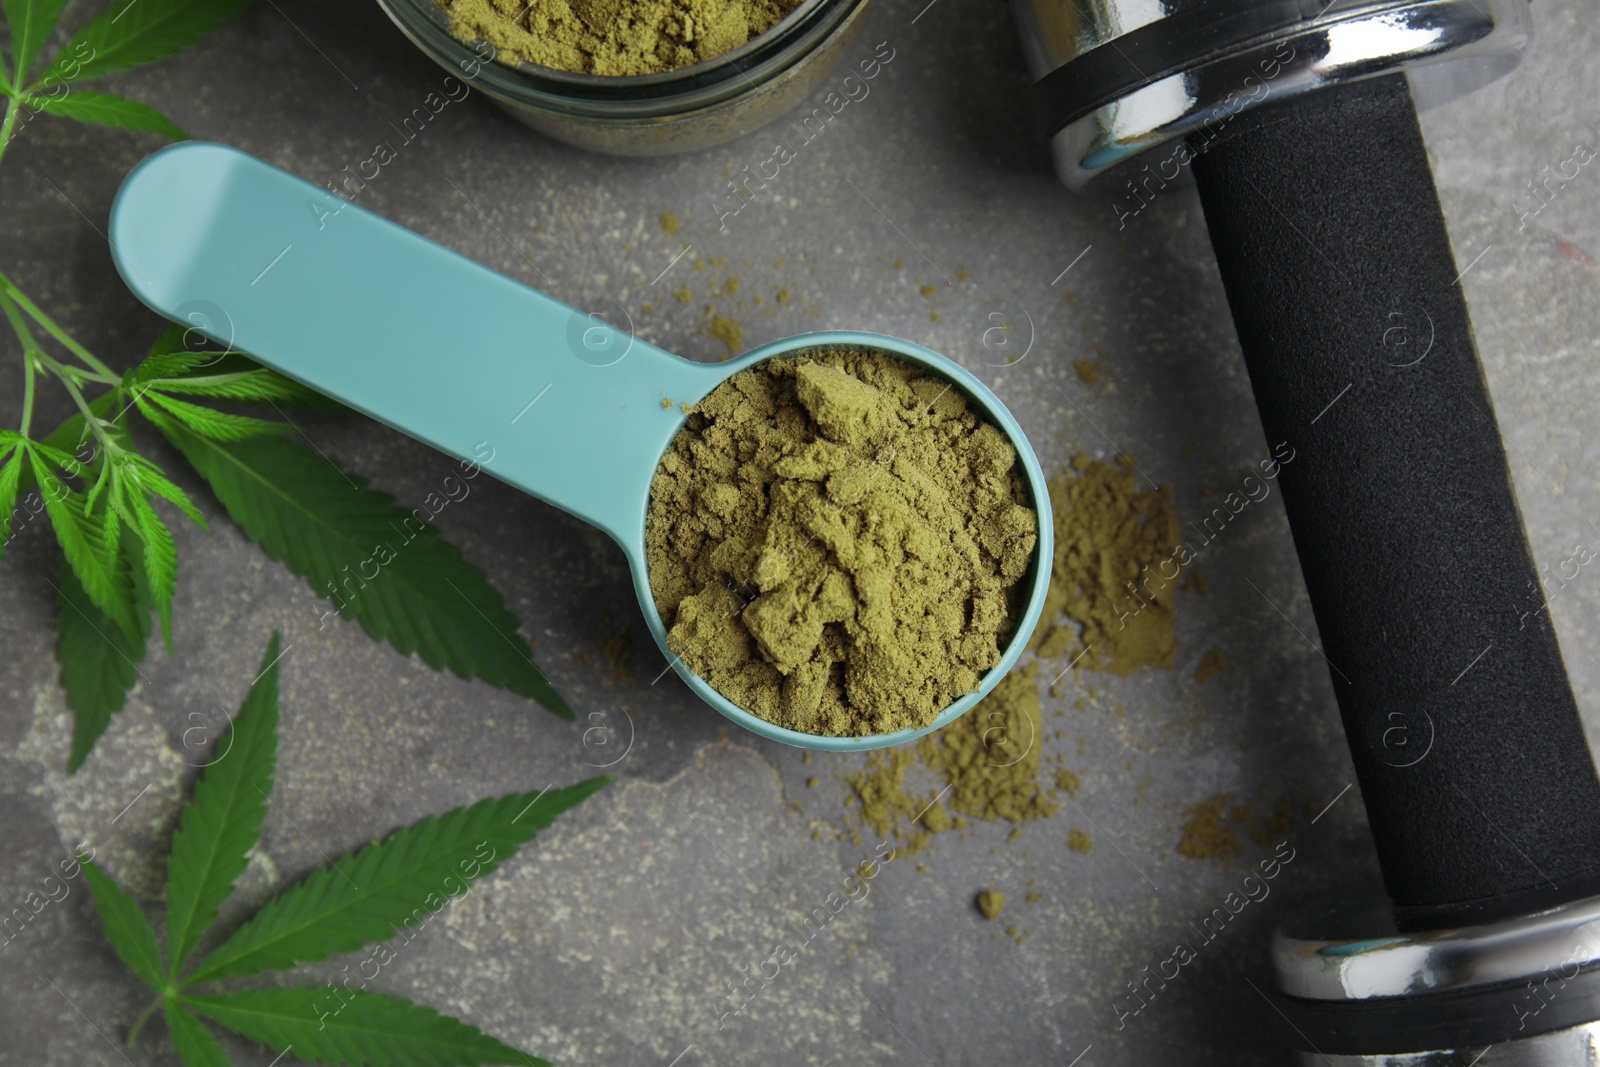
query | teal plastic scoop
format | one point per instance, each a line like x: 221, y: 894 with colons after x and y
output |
x: 569, y: 407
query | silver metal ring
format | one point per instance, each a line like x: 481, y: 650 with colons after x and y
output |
x: 1577, y: 1046
x: 1446, y: 47
x: 1353, y: 952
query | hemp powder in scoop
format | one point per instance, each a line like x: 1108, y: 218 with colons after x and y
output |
x: 835, y: 542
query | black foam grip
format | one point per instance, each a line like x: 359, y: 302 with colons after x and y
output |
x: 1479, y: 785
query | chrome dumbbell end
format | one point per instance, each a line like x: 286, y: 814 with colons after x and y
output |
x: 1119, y: 81
x: 1520, y: 991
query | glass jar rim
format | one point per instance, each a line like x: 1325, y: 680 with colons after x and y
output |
x: 769, y: 49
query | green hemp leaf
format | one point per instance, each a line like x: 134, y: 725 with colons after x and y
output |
x: 31, y: 22
x: 375, y: 561
x: 126, y: 34
x: 108, y: 109
x: 420, y: 595
x: 385, y: 888
x: 107, y: 504
x: 99, y: 662
x: 131, y: 33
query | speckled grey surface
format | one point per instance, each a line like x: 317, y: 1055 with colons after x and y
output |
x: 613, y: 939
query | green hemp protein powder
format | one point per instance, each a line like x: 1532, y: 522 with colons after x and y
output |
x: 835, y: 541
x: 614, y: 37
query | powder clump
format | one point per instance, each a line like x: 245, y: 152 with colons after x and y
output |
x: 987, y: 765
x: 1206, y: 833
x: 1113, y: 586
x: 990, y: 756
x: 728, y: 332
x: 614, y: 37
x: 1213, y: 662
x: 834, y: 541
x: 888, y: 807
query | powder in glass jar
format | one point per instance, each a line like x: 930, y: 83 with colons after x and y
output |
x: 613, y: 37
x: 834, y: 542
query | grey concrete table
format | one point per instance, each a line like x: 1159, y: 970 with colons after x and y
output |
x: 614, y: 938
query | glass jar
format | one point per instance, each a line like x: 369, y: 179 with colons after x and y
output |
x: 651, y: 114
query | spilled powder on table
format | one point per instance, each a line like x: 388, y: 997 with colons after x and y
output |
x: 988, y: 764
x: 990, y: 756
x: 1210, y: 665
x: 1211, y: 827
x: 887, y: 807
x: 1113, y: 586
x: 728, y: 331
x: 616, y: 654
x: 1206, y: 833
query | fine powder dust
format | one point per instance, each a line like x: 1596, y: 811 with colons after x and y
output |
x: 1113, y: 589
x: 834, y: 542
x: 613, y: 37
x: 990, y: 757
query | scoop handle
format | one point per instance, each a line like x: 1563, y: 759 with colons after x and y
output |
x: 1478, y: 781
x: 546, y: 397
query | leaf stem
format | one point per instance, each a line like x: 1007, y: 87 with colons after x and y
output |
x: 19, y: 326
x: 89, y: 417
x: 9, y: 126
x: 49, y: 324
x: 138, y: 1024
x: 67, y: 376
x: 29, y: 366
x: 29, y: 349
x: 27, y: 392
x: 77, y: 374
x: 34, y: 357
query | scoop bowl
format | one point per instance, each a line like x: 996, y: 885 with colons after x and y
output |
x: 560, y: 403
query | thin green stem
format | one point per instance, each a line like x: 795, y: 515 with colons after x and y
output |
x: 36, y: 355
x: 19, y: 325
x: 27, y: 392
x: 67, y: 376
x: 29, y: 366
x: 29, y: 348
x: 89, y: 417
x: 76, y: 374
x: 9, y: 125
x: 138, y: 1024
x: 55, y: 331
